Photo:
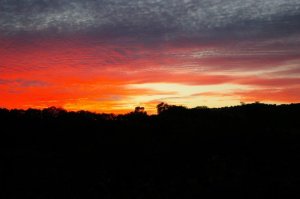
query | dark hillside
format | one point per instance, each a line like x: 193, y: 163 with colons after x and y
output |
x: 249, y: 151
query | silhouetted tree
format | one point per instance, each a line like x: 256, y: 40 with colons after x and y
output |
x: 161, y: 107
x: 53, y: 111
x: 139, y: 109
x: 200, y: 107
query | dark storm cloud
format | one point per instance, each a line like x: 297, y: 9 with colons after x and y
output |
x: 164, y: 19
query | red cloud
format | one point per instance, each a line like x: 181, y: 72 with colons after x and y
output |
x: 59, y: 72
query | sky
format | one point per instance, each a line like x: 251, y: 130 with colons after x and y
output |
x: 114, y: 55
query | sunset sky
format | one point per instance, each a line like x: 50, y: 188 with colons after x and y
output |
x: 113, y: 55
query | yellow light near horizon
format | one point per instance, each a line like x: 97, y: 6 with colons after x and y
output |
x: 191, y: 95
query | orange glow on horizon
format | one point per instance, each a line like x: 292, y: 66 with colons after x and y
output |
x: 77, y: 75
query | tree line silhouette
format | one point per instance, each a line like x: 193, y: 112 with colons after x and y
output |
x: 251, y: 151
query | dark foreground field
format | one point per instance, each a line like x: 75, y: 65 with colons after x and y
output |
x: 249, y: 151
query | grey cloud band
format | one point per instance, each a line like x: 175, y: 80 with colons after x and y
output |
x: 152, y: 17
